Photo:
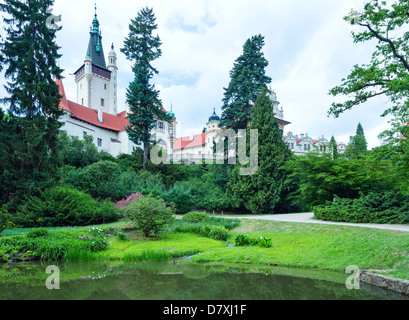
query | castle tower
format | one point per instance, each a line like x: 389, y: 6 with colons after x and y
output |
x: 212, y: 129
x: 113, y: 86
x: 97, y: 84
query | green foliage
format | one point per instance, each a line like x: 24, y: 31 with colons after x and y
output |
x: 64, y: 206
x: 76, y: 152
x: 210, y: 227
x: 358, y: 146
x: 28, y: 135
x: 121, y: 236
x: 195, y: 217
x: 181, y: 197
x: 321, y: 177
x: 219, y: 233
x: 102, y: 180
x: 247, y: 78
x: 150, y: 214
x: 243, y: 240
x: 37, y: 233
x: 382, y: 208
x: 51, y: 245
x: 261, y: 192
x: 387, y: 73
x: 4, y: 218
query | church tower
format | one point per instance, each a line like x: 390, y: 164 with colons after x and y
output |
x: 97, y: 83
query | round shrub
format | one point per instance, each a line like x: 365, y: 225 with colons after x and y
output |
x: 150, y: 214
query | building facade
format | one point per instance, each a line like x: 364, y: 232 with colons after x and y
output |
x: 201, y: 147
x: 303, y: 144
x: 95, y: 111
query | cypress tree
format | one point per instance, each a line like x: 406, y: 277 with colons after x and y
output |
x: 263, y: 191
x: 142, y: 47
x: 29, y: 55
x: 247, y: 79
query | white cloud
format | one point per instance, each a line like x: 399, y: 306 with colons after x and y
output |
x: 308, y: 45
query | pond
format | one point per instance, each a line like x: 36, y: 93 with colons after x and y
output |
x: 177, y: 281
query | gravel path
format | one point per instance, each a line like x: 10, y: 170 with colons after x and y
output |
x: 308, y: 218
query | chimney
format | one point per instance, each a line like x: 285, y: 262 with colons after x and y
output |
x: 100, y: 116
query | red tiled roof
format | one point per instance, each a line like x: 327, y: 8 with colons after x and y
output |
x: 186, y: 142
x: 110, y: 122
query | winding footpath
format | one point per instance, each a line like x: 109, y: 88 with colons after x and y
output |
x: 309, y: 218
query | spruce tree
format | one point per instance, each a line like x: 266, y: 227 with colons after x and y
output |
x: 263, y: 191
x: 142, y: 48
x: 247, y: 78
x: 358, y: 146
x: 333, y: 145
x: 29, y: 56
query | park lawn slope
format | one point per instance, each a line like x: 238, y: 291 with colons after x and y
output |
x: 316, y: 246
x: 172, y: 245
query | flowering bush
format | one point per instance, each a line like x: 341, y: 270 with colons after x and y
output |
x: 95, y: 244
x: 129, y: 200
x: 95, y: 231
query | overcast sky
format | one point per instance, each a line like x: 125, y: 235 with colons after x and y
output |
x: 308, y: 45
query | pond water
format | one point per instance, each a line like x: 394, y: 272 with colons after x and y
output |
x: 110, y: 280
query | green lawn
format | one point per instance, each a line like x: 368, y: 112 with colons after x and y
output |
x: 324, y: 247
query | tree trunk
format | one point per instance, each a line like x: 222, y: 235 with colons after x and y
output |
x: 145, y: 154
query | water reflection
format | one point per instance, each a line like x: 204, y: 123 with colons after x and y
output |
x: 115, y: 280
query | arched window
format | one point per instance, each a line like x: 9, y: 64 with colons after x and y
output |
x: 163, y: 144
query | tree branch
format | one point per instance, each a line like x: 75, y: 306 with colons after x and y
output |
x: 390, y: 42
x: 356, y: 102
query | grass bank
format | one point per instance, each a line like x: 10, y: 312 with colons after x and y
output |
x: 324, y: 247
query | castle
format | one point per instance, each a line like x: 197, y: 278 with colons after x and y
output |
x: 95, y: 113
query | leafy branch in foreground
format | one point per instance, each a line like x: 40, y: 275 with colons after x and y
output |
x: 387, y: 74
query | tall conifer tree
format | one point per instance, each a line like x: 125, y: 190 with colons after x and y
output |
x: 247, y: 79
x: 358, y: 146
x: 262, y: 192
x: 142, y: 48
x: 29, y: 56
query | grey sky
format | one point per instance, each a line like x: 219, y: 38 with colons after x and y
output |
x: 308, y: 45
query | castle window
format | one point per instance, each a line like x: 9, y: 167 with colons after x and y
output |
x: 102, y: 102
x: 84, y: 134
x: 99, y: 142
x: 82, y: 101
x: 105, y: 86
x: 161, y: 127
